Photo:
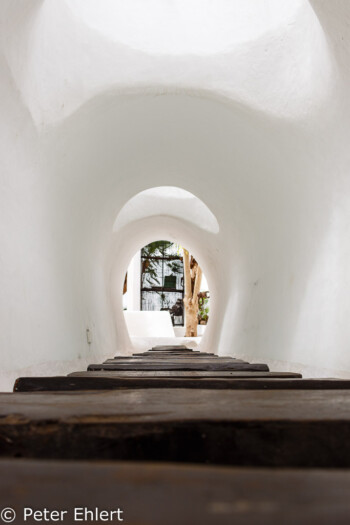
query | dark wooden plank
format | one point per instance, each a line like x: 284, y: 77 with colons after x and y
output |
x: 161, y: 356
x: 184, y: 373
x: 92, y: 381
x: 158, y: 365
x: 161, y: 494
x: 299, y: 428
x: 171, y: 352
x: 187, y: 358
x: 187, y: 352
x: 174, y: 494
x: 157, y: 355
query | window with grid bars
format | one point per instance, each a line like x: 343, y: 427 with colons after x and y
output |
x: 162, y: 279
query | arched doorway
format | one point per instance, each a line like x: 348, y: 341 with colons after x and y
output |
x: 183, y: 220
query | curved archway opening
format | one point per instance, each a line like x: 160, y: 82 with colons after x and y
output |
x: 167, y: 201
x: 183, y: 220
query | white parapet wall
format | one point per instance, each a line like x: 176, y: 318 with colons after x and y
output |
x: 149, y: 324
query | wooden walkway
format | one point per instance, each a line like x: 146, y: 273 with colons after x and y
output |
x: 177, y: 407
x: 168, y: 494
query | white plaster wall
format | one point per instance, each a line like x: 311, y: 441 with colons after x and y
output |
x: 133, y: 301
x: 257, y: 129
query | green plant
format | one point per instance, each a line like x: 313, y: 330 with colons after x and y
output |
x: 151, y: 265
x: 203, y: 308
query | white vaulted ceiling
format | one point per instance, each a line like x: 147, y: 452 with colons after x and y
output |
x: 269, y: 56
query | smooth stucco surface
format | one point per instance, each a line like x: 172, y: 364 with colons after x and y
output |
x: 255, y: 126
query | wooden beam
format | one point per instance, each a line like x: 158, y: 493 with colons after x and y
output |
x: 93, y: 381
x: 158, y: 365
x: 277, y: 428
x: 174, y: 494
